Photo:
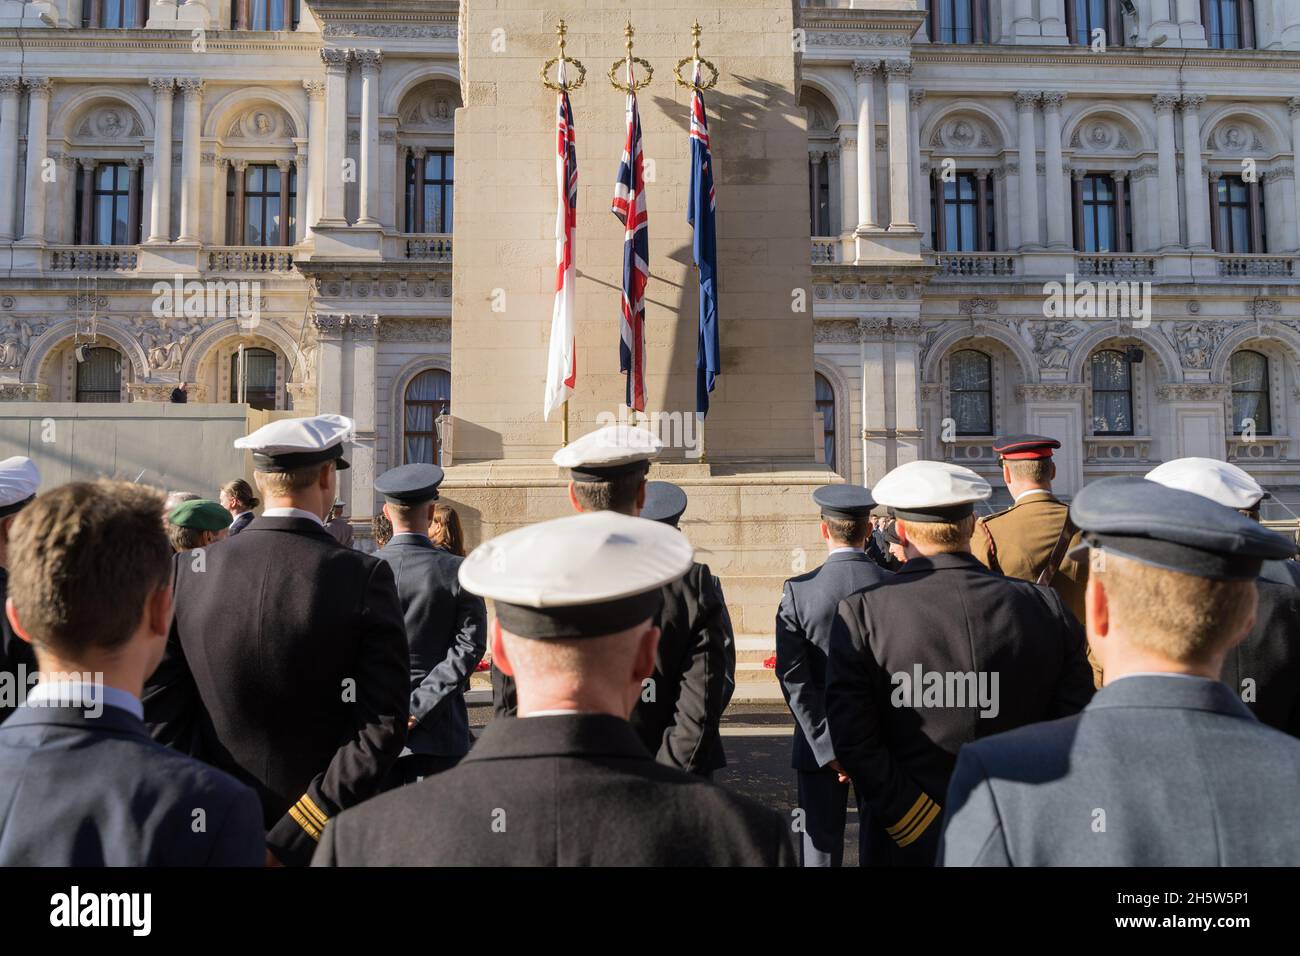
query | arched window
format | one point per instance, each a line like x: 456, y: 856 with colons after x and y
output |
x: 1112, y: 393
x: 258, y: 379
x: 970, y: 392
x: 826, y: 406
x: 99, y: 375
x: 427, y: 396
x: 1250, y: 400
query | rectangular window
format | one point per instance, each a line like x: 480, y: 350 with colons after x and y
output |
x: 1112, y: 393
x: 959, y: 230
x: 1240, y: 219
x: 429, y: 183
x: 959, y: 21
x: 264, y: 203
x: 1088, y: 16
x: 1227, y: 24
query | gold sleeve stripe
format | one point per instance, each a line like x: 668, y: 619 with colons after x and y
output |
x: 309, y: 807
x: 910, y: 816
x: 312, y: 830
x: 920, y: 827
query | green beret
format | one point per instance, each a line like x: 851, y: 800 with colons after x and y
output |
x: 201, y: 514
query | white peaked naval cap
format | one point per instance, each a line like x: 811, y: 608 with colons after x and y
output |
x: 609, y: 452
x: 296, y: 442
x: 585, y: 575
x: 931, y: 491
x: 1210, y: 478
x: 19, y: 479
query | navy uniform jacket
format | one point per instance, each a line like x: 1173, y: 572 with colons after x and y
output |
x: 803, y: 641
x: 948, y: 616
x: 568, y: 790
x: 17, y: 659
x: 287, y: 667
x: 446, y: 633
x: 693, y: 677
x: 242, y: 521
x: 1270, y: 654
x: 77, y: 790
x: 1157, y: 771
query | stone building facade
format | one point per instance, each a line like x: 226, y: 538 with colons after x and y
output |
x: 167, y: 217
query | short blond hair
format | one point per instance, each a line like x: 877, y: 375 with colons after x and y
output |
x: 584, y: 660
x: 281, y: 484
x: 946, y: 535
x: 1037, y: 470
x: 1179, y: 616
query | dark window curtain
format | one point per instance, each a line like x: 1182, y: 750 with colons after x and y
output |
x: 1250, y: 397
x: 99, y: 376
x: 971, y: 392
x: 427, y: 396
x: 1112, y: 393
x: 826, y: 406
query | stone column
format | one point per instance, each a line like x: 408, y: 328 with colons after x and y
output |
x: 814, y: 188
x: 1053, y: 22
x: 1167, y: 165
x: 982, y: 210
x: 191, y: 136
x: 364, y: 331
x: 133, y: 201
x: 1216, y: 236
x: 1024, y: 25
x: 220, y: 181
x: 1147, y: 224
x: 1285, y: 228
x: 38, y: 118
x: 1121, y: 219
x: 833, y: 222
x: 1293, y: 104
x: 283, y: 166
x: 336, y: 127
x: 160, y: 202
x: 863, y: 77
x: 86, y: 213
x: 1198, y: 236
x: 920, y: 186
x: 848, y: 181
x: 241, y: 181
x: 369, y: 208
x: 1291, y: 25
x: 418, y: 154
x: 10, y: 88
x: 900, y: 161
x: 1080, y: 240
x: 302, y: 177
x: 1057, y: 210
x: 315, y: 152
x: 1026, y: 100
x: 329, y: 357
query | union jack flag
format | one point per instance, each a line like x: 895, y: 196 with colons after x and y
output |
x: 561, y: 366
x: 629, y: 206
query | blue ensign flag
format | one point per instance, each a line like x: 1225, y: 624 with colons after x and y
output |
x: 700, y: 214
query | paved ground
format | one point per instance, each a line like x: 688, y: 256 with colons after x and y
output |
x: 757, y: 741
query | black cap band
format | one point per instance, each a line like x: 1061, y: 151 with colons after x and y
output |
x: 952, y: 514
x: 1182, y: 558
x: 579, y: 620
x: 291, y: 461
x: 608, y: 472
x: 16, y: 507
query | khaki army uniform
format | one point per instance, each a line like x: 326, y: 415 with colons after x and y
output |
x: 1020, y: 542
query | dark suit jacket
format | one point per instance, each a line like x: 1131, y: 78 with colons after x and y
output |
x: 1157, y: 771
x: 572, y: 790
x: 803, y: 640
x: 446, y: 633
x: 77, y: 790
x: 949, y: 617
x: 242, y: 521
x: 1269, y: 656
x: 693, y: 678
x: 17, y: 659
x: 287, y: 667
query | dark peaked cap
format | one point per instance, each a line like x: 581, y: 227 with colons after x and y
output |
x: 410, y: 484
x: 843, y: 501
x: 1174, y: 530
x: 586, y: 575
x: 664, y: 502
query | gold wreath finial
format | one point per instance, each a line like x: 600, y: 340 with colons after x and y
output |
x: 628, y: 62
x: 568, y: 85
x: 693, y: 59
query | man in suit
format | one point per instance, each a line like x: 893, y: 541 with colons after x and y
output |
x: 81, y: 783
x: 237, y: 497
x: 19, y: 479
x: 568, y: 783
x: 1264, y: 669
x: 1166, y: 766
x: 446, y: 626
x: 803, y: 635
x: 1031, y: 540
x: 680, y: 709
x: 339, y: 526
x: 942, y: 653
x: 287, y: 663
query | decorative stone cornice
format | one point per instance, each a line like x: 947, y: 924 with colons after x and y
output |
x: 857, y: 38
x: 334, y: 59
x: 1051, y: 392
x: 1191, y: 392
x: 424, y: 330
x: 978, y: 306
x: 1143, y: 172
x: 23, y: 392
x: 390, y: 31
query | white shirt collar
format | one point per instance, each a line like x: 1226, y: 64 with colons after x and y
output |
x: 561, y: 712
x: 845, y: 548
x: 410, y: 534
x: 1032, y: 491
x: 1158, y: 674
x: 292, y: 513
x: 84, y: 695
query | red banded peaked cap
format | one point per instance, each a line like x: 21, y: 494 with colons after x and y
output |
x: 1025, y: 447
